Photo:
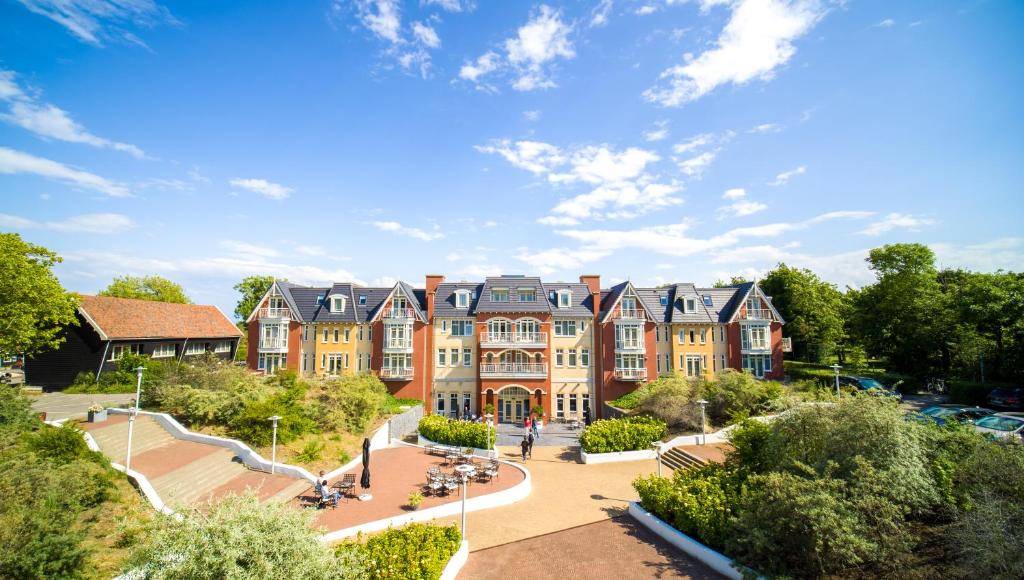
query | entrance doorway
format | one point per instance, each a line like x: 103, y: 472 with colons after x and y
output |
x: 513, y: 405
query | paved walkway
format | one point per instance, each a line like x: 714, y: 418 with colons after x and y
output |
x: 551, y: 435
x: 59, y: 406
x: 185, y: 473
x: 610, y: 549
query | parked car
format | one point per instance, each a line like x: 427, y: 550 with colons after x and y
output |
x: 1001, y: 426
x: 944, y: 413
x: 868, y: 385
x: 1006, y: 398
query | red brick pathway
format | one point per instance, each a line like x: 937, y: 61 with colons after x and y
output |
x: 613, y: 549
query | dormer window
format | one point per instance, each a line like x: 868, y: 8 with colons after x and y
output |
x: 629, y: 305
x: 462, y: 299
x: 320, y: 299
x: 499, y: 294
x: 664, y: 299
x: 690, y: 305
x: 337, y: 304
x: 527, y: 295
x: 362, y: 299
x: 564, y: 298
x: 707, y: 300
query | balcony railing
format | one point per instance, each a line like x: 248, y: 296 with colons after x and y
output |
x: 273, y: 344
x: 396, y: 373
x: 539, y: 339
x: 758, y: 314
x: 275, y: 313
x: 631, y: 374
x: 755, y: 345
x: 629, y: 314
x: 629, y: 345
x: 787, y: 344
x: 398, y: 344
x: 513, y: 369
x: 397, y: 313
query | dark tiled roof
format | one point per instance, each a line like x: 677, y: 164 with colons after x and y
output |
x: 678, y: 314
x: 512, y: 283
x: 444, y: 300
x: 120, y: 318
x: 582, y: 303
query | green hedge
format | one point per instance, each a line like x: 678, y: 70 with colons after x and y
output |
x: 972, y: 393
x: 825, y: 377
x: 697, y: 502
x: 628, y: 434
x: 440, y: 429
x: 416, y: 551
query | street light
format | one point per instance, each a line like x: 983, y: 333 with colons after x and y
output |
x: 488, y: 417
x: 131, y: 417
x: 703, y: 424
x: 657, y: 455
x: 273, y: 444
x: 464, y: 470
x: 836, y: 368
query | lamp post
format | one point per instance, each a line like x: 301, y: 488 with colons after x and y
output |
x: 488, y: 417
x: 273, y: 444
x: 703, y: 423
x: 131, y: 416
x: 464, y: 471
x: 657, y: 455
x: 836, y: 368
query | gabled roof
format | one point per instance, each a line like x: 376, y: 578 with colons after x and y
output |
x: 485, y: 304
x: 444, y: 299
x: 416, y: 299
x: 743, y: 291
x: 125, y: 318
x: 678, y: 313
x: 581, y: 304
x: 648, y: 300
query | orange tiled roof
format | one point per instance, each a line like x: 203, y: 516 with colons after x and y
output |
x: 127, y: 318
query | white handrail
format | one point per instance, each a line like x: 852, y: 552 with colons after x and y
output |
x: 514, y: 368
x: 631, y: 374
x: 513, y: 337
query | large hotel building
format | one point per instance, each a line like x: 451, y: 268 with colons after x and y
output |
x: 516, y: 341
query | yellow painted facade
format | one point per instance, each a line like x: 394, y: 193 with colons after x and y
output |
x: 572, y: 381
x: 693, y: 346
x: 336, y: 348
x: 663, y: 350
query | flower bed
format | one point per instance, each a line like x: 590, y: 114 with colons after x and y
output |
x: 628, y: 434
x: 446, y: 431
x: 413, y: 551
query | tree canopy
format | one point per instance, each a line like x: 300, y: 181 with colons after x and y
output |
x: 812, y: 308
x: 34, y: 307
x: 154, y: 288
x: 252, y: 289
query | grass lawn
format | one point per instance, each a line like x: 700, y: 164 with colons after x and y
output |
x: 113, y: 527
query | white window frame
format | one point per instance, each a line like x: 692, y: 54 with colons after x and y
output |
x: 690, y: 305
x: 160, y: 350
x: 526, y: 295
x: 337, y: 335
x: 442, y: 358
x: 346, y: 335
x: 500, y: 295
x: 584, y: 358
x: 559, y: 357
x: 222, y: 346
x: 572, y: 358
x: 462, y: 299
x: 194, y: 349
x: 467, y: 357
x: 564, y: 298
x: 326, y: 332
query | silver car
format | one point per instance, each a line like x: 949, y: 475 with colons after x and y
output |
x: 1001, y: 426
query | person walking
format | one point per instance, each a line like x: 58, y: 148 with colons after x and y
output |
x: 529, y: 449
x: 535, y: 428
x: 527, y: 423
x: 525, y: 446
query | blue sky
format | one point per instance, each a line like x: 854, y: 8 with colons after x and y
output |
x: 660, y: 140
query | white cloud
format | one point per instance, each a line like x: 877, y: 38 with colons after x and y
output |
x: 90, y: 223
x: 553, y: 220
x: 247, y: 249
x: 267, y: 189
x: 999, y: 254
x: 693, y: 143
x: 541, y: 40
x: 601, y: 164
x: 740, y: 209
x: 897, y: 221
x: 533, y: 156
x: 658, y: 134
x: 599, y: 15
x: 426, y: 35
x: 558, y: 259
x: 49, y: 121
x: 310, y: 250
x: 784, y: 177
x: 766, y: 128
x: 646, y: 10
x: 451, y: 5
x: 887, y: 23
x: 757, y: 39
x: 12, y: 161
x: 617, y: 200
x: 735, y: 193
x: 532, y: 116
x: 695, y: 166
x: 482, y: 66
x: 417, y: 233
x: 381, y: 17
x: 96, y: 21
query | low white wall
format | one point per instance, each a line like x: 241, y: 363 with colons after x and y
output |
x: 643, y: 454
x: 423, y: 442
x: 499, y: 498
x: 457, y: 561
x: 720, y: 436
x: 712, y: 559
x: 243, y: 451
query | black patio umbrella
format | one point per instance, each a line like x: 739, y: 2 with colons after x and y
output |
x: 364, y: 481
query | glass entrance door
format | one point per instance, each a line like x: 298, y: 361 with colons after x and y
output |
x: 513, y: 405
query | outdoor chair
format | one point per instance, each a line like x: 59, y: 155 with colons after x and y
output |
x: 324, y: 497
x: 347, y: 485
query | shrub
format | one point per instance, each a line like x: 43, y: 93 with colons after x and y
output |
x: 414, y: 551
x: 312, y: 451
x: 253, y: 426
x: 16, y: 412
x: 440, y: 429
x: 350, y: 402
x: 393, y: 405
x: 61, y: 445
x: 734, y: 394
x: 627, y: 434
x: 671, y: 399
x: 698, y: 502
x: 970, y: 393
x: 239, y: 537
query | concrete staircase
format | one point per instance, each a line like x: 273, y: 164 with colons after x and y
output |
x: 677, y: 458
x: 148, y: 434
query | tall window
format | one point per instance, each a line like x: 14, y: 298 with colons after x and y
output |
x: 629, y: 307
x: 441, y: 357
x: 559, y: 357
x: 454, y: 357
x: 325, y: 335
x: 693, y: 337
x: 467, y: 357
x: 564, y: 298
x: 572, y: 358
x: 347, y: 334
x: 693, y: 366
x: 462, y: 299
x: 337, y: 334
x: 585, y: 358
x: 627, y: 336
x: 703, y: 335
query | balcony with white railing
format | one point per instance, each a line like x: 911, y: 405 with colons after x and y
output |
x: 397, y: 314
x: 630, y: 314
x: 276, y: 344
x: 625, y: 374
x: 787, y: 344
x: 636, y: 346
x: 397, y: 345
x: 514, y: 338
x: 513, y: 370
x: 396, y: 373
x: 281, y: 313
x: 757, y: 314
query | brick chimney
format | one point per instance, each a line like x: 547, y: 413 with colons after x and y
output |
x: 593, y: 282
x: 433, y: 281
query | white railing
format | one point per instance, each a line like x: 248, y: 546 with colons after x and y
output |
x: 518, y: 338
x: 393, y: 313
x: 787, y: 344
x: 275, y: 313
x: 271, y: 344
x: 515, y: 369
x: 758, y: 314
x: 629, y: 314
x: 755, y: 345
x: 631, y: 374
x: 387, y: 373
x: 403, y: 343
x: 629, y: 345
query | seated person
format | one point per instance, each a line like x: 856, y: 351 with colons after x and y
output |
x: 325, y: 493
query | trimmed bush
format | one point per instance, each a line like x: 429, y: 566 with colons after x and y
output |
x: 698, y: 502
x: 419, y: 551
x: 440, y: 429
x: 628, y: 434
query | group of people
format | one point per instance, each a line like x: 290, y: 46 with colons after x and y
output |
x: 532, y: 434
x: 324, y: 491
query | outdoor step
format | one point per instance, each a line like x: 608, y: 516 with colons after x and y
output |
x: 148, y: 434
x: 193, y: 482
x: 677, y: 458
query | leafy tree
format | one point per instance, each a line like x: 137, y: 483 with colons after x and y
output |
x: 351, y: 402
x: 34, y: 307
x: 733, y: 281
x: 252, y: 289
x: 812, y: 308
x: 239, y: 537
x: 155, y: 288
